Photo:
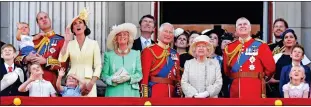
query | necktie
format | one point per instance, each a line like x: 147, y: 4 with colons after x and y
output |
x: 10, y: 69
x: 146, y: 43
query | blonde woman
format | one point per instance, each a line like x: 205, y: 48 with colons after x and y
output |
x: 202, y: 76
x: 122, y: 67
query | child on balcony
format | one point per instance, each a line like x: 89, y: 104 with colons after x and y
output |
x: 37, y: 86
x: 296, y: 88
x: 72, y: 88
x: 24, y: 40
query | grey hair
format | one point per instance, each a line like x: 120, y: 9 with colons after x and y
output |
x: 164, y: 24
x: 242, y: 18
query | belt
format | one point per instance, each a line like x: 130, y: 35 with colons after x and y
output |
x: 161, y: 80
x: 259, y: 75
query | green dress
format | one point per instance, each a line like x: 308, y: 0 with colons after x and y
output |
x: 131, y: 62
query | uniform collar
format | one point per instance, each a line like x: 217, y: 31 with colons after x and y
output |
x: 245, y: 40
x: 162, y: 45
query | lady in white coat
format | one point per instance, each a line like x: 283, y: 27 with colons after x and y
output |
x: 202, y: 75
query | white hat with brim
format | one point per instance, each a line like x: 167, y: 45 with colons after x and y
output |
x: 200, y: 39
x: 129, y: 27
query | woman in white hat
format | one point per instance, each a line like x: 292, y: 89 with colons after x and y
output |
x: 83, y: 54
x: 122, y: 65
x: 202, y: 75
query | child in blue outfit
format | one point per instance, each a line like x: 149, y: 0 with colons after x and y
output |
x: 72, y: 88
x: 25, y: 41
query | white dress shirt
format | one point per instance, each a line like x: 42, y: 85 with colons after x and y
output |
x: 142, y: 39
x: 7, y: 67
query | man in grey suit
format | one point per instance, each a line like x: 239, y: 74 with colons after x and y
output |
x: 147, y: 24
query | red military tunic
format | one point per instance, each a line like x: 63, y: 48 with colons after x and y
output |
x: 248, y: 87
x: 49, y: 47
x: 151, y: 59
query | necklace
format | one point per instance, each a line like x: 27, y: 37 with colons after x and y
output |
x: 123, y: 52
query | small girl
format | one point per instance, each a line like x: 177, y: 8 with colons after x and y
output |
x: 36, y: 85
x: 72, y: 88
x: 296, y: 88
x: 25, y: 41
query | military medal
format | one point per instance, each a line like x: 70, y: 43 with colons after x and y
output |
x: 54, y: 43
x: 252, y: 59
x: 252, y: 67
x: 253, y: 52
x: 174, y: 57
x: 52, y: 50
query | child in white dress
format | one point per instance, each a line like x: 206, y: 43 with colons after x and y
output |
x: 296, y: 88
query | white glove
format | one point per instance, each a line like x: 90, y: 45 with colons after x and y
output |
x: 123, y: 79
x: 20, y: 73
x: 8, y: 79
x: 202, y: 95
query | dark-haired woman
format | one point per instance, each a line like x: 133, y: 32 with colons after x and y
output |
x: 83, y: 53
x: 181, y: 45
x: 282, y: 59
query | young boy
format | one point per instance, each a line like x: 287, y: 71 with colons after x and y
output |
x: 25, y: 41
x: 72, y: 88
x: 297, y: 55
x: 37, y: 86
x: 10, y: 75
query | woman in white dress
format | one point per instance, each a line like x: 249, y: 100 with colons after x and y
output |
x: 202, y: 76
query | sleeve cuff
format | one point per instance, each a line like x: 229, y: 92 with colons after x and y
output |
x: 109, y: 81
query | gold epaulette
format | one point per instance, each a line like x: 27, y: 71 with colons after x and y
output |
x: 260, y: 40
x: 144, y: 90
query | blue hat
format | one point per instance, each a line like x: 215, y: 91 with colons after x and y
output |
x: 288, y: 31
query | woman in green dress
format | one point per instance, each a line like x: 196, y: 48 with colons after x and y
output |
x: 122, y: 65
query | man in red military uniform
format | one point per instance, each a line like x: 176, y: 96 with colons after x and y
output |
x: 48, y: 47
x: 160, y: 66
x: 247, y: 61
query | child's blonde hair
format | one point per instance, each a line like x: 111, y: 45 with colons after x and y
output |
x: 302, y: 70
x: 18, y: 35
x: 24, y: 23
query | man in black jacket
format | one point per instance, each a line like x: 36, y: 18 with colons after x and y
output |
x: 147, y: 24
x: 1, y: 44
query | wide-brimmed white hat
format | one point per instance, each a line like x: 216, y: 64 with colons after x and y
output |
x: 202, y: 38
x: 129, y: 27
x: 83, y: 15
